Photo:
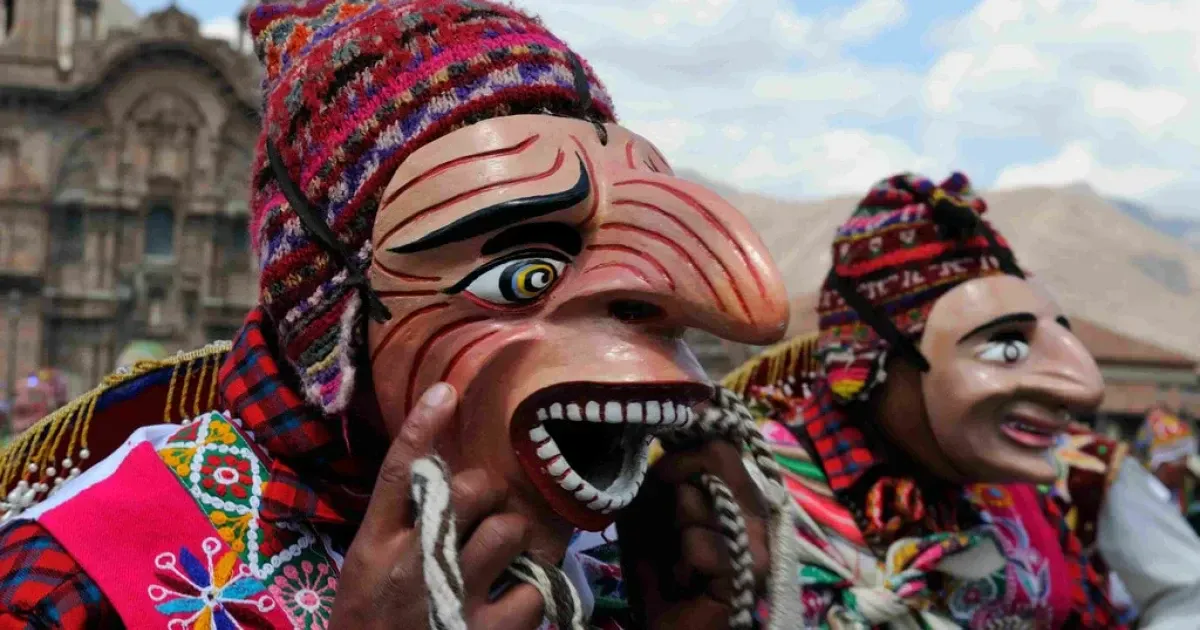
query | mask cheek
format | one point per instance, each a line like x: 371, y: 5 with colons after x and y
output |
x: 960, y: 411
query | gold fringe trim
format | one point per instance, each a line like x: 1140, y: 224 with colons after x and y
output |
x: 41, y: 443
x: 795, y: 356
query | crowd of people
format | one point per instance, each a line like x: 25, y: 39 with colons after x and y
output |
x: 463, y: 399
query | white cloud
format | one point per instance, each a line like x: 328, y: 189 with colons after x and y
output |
x: 727, y: 86
x: 225, y: 28
x: 770, y: 92
x: 1076, y: 163
x: 736, y: 133
x: 668, y: 134
x: 839, y: 161
x: 1147, y: 109
x: 868, y: 19
x: 1110, y: 76
x: 994, y: 14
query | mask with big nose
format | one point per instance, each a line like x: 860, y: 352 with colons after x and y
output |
x: 547, y: 268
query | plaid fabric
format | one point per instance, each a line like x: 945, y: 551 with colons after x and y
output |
x: 839, y: 443
x: 313, y: 474
x: 41, y: 586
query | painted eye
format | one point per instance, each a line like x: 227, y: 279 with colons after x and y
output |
x: 517, y: 281
x: 1008, y: 350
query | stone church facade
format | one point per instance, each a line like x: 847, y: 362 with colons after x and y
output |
x: 125, y: 153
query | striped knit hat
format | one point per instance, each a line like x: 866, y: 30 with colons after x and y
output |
x: 352, y: 88
x: 907, y: 243
x: 1163, y: 438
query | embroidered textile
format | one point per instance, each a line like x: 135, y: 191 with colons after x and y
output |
x: 224, y: 473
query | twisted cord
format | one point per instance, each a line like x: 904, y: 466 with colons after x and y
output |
x: 440, y: 566
x: 439, y: 544
x: 729, y: 419
x: 563, y: 606
x: 737, y: 540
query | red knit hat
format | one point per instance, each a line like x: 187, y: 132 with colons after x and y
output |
x: 907, y: 243
x: 352, y: 88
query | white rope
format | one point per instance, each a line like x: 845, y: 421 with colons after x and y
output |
x: 559, y: 595
x: 737, y: 541
x: 439, y: 544
x: 441, y: 569
x: 727, y: 419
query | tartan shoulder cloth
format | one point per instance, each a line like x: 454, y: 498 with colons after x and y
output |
x: 41, y: 585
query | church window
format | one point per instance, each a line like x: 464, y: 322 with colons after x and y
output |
x: 69, y: 237
x: 160, y: 231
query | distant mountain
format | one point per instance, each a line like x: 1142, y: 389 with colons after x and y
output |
x: 1179, y: 227
x: 1116, y: 264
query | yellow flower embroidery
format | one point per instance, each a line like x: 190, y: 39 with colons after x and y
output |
x: 180, y: 459
x: 233, y: 529
x: 219, y: 432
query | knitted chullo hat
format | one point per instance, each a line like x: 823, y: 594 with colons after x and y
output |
x: 907, y: 243
x: 1163, y: 438
x: 352, y: 88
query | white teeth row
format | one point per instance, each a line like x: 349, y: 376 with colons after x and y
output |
x: 619, y: 495
x: 665, y: 413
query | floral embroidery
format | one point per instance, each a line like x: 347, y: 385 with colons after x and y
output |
x: 1018, y: 592
x: 222, y: 472
x: 974, y: 595
x: 219, y: 593
x: 226, y: 475
x: 306, y: 593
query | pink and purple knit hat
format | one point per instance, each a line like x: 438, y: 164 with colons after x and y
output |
x: 352, y: 88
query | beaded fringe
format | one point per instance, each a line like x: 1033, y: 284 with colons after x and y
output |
x: 28, y: 470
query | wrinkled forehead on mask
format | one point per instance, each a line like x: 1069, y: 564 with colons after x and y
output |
x: 521, y: 168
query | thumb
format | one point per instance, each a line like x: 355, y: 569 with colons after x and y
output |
x: 389, y: 509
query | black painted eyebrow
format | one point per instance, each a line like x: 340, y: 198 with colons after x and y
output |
x: 560, y: 235
x: 1011, y: 318
x: 502, y: 214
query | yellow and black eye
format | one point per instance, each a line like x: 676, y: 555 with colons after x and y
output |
x: 515, y: 281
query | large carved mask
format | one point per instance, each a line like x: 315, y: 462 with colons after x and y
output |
x: 1006, y: 378
x: 548, y: 274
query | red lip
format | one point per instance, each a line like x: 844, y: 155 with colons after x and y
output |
x: 567, y: 419
x: 1032, y: 431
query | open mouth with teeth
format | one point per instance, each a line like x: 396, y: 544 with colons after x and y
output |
x: 1032, y: 432
x: 586, y: 446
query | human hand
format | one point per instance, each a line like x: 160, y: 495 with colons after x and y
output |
x: 382, y: 584
x: 678, y: 568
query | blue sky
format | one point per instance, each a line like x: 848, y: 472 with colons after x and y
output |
x: 811, y: 98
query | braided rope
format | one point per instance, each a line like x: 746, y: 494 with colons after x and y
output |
x: 439, y: 544
x: 441, y: 569
x: 737, y: 540
x: 727, y: 419
x: 560, y: 597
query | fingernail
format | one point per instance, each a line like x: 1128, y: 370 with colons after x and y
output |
x: 438, y: 395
